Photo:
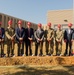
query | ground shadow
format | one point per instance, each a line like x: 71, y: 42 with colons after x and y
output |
x: 41, y: 71
x: 60, y: 60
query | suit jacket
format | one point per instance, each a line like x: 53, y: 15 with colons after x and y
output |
x: 20, y: 33
x: 29, y: 33
x: 73, y: 35
x: 2, y: 33
x: 39, y: 34
x: 68, y: 36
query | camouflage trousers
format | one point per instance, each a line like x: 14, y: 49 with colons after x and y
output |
x: 49, y: 47
x: 58, y: 48
x: 10, y: 48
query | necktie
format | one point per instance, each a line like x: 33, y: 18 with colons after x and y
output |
x: 29, y: 32
x: 0, y: 33
x: 20, y: 31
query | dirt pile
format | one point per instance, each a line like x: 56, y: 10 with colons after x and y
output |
x: 46, y: 60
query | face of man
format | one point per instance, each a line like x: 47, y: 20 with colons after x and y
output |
x: 69, y: 27
x: 59, y: 28
x: 19, y: 25
x: 48, y: 27
x: 29, y: 26
x: 10, y: 25
x: 39, y: 27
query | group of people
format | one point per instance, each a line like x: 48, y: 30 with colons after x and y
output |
x: 27, y: 35
x: 59, y: 36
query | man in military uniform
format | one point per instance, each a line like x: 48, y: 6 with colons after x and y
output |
x: 68, y: 39
x: 49, y: 40
x: 58, y: 40
x: 39, y: 37
x: 29, y: 38
x: 10, y: 34
x: 20, y: 35
x: 2, y: 34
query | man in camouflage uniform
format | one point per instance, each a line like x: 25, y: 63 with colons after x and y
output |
x: 58, y: 39
x: 49, y: 42
x: 10, y: 34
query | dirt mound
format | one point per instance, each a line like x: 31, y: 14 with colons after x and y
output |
x: 33, y: 60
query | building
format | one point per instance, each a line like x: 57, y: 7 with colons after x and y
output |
x: 62, y: 17
x: 5, y: 18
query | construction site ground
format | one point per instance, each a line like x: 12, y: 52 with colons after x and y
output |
x: 36, y: 65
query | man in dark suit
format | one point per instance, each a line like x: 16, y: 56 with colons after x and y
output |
x: 68, y: 39
x: 2, y: 34
x: 39, y: 37
x: 20, y: 34
x: 29, y: 38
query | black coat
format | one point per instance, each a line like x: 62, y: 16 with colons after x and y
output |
x: 20, y: 34
x: 27, y: 34
x: 2, y: 33
x: 68, y: 36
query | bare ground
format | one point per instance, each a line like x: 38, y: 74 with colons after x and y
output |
x: 46, y: 65
x: 37, y: 70
x: 36, y: 60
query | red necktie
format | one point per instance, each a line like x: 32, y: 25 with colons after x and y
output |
x: 0, y: 31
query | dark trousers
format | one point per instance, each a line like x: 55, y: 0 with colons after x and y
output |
x: 70, y: 48
x: 1, y: 49
x: 20, y: 49
x: 28, y: 45
x: 38, y: 48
